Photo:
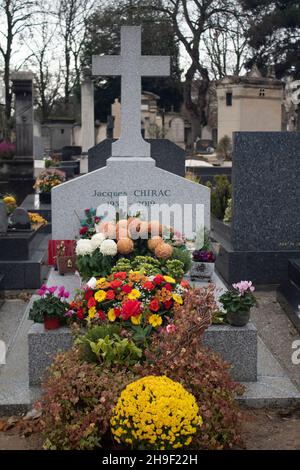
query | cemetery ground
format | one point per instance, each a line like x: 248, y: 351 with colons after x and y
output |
x: 262, y: 429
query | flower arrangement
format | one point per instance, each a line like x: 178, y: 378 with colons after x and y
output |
x: 155, y: 413
x: 204, y: 256
x: 52, y: 305
x: 10, y: 202
x: 7, y: 150
x: 238, y: 301
x: 50, y: 162
x: 48, y: 179
x: 36, y: 219
x: 99, y: 252
x: 130, y: 298
x: 88, y: 224
x: 150, y: 266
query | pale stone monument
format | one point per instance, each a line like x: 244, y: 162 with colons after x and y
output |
x: 87, y: 115
x: 130, y: 172
x: 249, y: 103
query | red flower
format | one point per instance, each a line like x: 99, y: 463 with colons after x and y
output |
x: 83, y: 230
x: 91, y: 302
x: 110, y: 295
x: 169, y: 287
x: 131, y: 308
x: 126, y: 288
x: 89, y: 294
x: 154, y: 305
x: 185, y: 284
x: 158, y: 279
x: 115, y: 284
x: 121, y: 275
x: 168, y: 304
x: 118, y: 312
x: 101, y: 315
x: 97, y: 220
x: 148, y: 285
x: 80, y: 314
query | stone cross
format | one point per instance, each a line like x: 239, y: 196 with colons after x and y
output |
x: 131, y: 65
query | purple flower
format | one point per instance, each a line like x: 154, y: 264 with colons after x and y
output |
x: 52, y: 289
x: 66, y: 294
x: 42, y: 291
x: 244, y: 286
x: 69, y: 314
x: 204, y: 256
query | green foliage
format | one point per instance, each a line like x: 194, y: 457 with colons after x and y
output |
x: 232, y: 301
x: 224, y: 148
x: 228, y: 212
x: 220, y: 194
x: 49, y: 305
x: 104, y: 345
x: 183, y: 255
x: 95, y: 265
x: 272, y: 35
x: 150, y: 266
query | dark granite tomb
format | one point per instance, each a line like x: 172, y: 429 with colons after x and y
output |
x: 168, y: 156
x: 265, y: 230
x: 288, y: 294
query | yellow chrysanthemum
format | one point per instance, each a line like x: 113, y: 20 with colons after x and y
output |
x: 136, y: 320
x: 111, y: 314
x: 155, y: 320
x: 9, y: 200
x: 178, y: 299
x: 169, y: 279
x: 92, y: 312
x: 100, y: 296
x: 134, y: 294
x: 100, y: 281
x: 165, y: 415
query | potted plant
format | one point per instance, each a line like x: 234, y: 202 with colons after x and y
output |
x: 203, y: 264
x: 238, y: 302
x: 51, y: 307
x: 47, y: 180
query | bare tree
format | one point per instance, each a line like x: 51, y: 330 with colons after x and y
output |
x: 226, y: 46
x: 192, y: 19
x: 16, y: 16
x: 45, y: 60
x: 72, y: 18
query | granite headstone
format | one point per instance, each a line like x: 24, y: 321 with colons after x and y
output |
x: 3, y: 218
x: 265, y: 228
x: 20, y: 220
x: 167, y: 155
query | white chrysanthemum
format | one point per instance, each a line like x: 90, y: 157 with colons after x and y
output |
x: 92, y: 283
x: 109, y: 248
x: 84, y: 247
x: 97, y: 240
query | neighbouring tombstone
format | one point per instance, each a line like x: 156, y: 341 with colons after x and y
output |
x: 177, y: 130
x: 70, y: 151
x: 167, y: 155
x: 3, y: 218
x: 265, y: 227
x: 23, y: 90
x: 19, y: 220
x: 130, y: 172
x: 205, y: 146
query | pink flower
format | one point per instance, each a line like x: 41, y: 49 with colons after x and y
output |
x: 42, y: 291
x: 52, y: 289
x: 171, y: 328
x: 243, y: 287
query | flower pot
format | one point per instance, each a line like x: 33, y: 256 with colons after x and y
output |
x: 201, y: 271
x: 238, y: 318
x: 45, y: 198
x: 51, y: 323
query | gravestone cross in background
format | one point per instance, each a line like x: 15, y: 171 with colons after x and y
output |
x: 131, y: 66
